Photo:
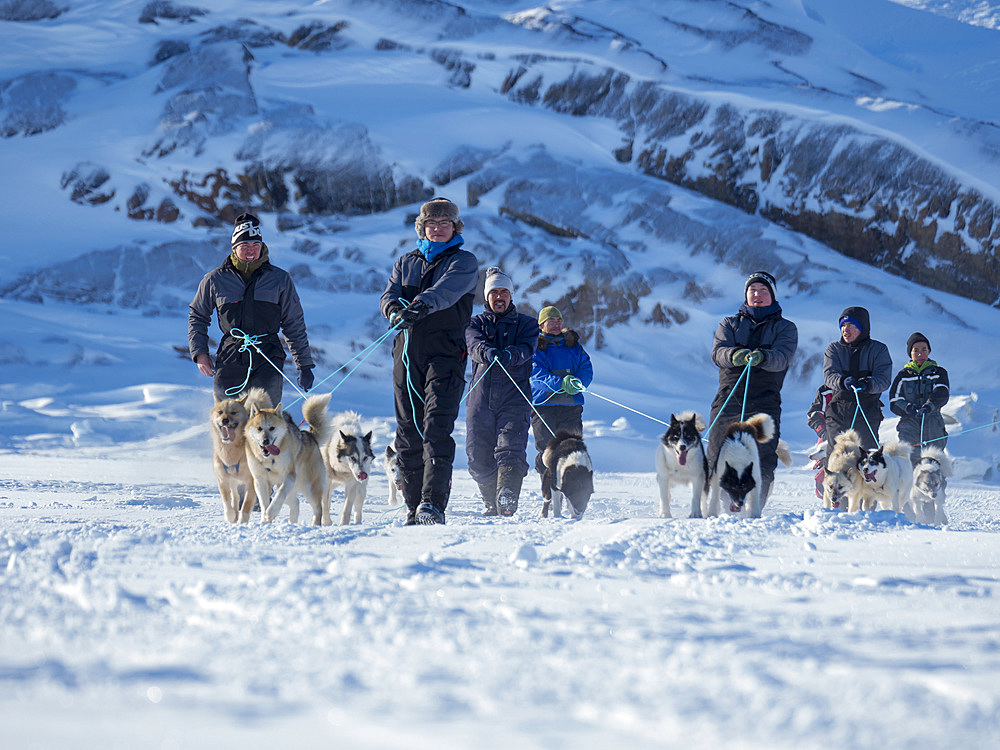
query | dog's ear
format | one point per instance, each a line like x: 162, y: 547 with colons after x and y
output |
x: 368, y: 438
x: 389, y: 451
x: 277, y: 409
x: 254, y: 409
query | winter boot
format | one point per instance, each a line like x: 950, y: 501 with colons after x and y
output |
x: 411, y: 481
x: 428, y: 514
x: 508, y: 490
x: 489, y: 492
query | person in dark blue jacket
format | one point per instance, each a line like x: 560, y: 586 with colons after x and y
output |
x: 501, y: 343
x: 558, y: 363
x: 429, y: 296
x: 917, y: 394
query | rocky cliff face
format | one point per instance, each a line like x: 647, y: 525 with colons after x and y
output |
x: 854, y: 191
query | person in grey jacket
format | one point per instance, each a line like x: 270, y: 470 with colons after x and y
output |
x: 429, y: 297
x: 858, y: 369
x: 917, y: 394
x: 759, y: 336
x: 249, y: 294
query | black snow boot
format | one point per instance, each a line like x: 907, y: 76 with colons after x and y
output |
x: 489, y: 492
x: 411, y: 481
x: 428, y: 514
x: 508, y: 490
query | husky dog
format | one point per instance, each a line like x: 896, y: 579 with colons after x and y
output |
x: 888, y: 475
x: 926, y: 502
x: 843, y: 484
x: 348, y: 457
x: 681, y: 459
x: 228, y: 419
x: 395, y: 477
x: 286, y: 459
x: 568, y: 472
x: 737, y: 472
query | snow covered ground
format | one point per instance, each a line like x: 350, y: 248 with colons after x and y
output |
x: 134, y: 616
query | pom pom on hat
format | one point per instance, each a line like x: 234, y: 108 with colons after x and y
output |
x: 497, y: 279
x: 246, y: 229
x: 438, y: 208
x: 762, y: 277
x: 914, y: 338
x: 547, y: 313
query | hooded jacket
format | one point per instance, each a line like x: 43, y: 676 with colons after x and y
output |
x: 863, y: 358
x: 555, y: 358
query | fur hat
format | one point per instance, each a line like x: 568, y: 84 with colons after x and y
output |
x: 914, y: 338
x: 438, y: 208
x: 547, y: 313
x: 497, y: 279
x: 762, y: 277
x: 246, y: 229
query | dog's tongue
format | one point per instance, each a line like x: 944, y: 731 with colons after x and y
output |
x: 362, y: 476
x: 682, y: 457
x: 228, y: 433
x: 869, y: 476
x: 734, y: 508
x: 271, y: 449
x: 835, y: 503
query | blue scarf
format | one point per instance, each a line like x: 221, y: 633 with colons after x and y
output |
x: 431, y: 250
x: 759, y: 313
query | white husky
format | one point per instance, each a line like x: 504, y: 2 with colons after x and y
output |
x: 348, y: 457
x: 926, y: 501
x: 888, y: 475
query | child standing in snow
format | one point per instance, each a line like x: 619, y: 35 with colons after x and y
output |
x: 917, y: 394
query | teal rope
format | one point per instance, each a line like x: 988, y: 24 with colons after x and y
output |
x: 858, y: 409
x: 480, y: 380
x: 248, y: 342
x: 525, y: 397
x: 746, y: 371
x: 636, y: 411
x: 957, y: 434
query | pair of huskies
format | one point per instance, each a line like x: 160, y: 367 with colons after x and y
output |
x: 736, y: 484
x: 884, y: 478
x: 261, y: 455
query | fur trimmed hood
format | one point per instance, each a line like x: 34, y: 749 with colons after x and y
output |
x: 569, y: 337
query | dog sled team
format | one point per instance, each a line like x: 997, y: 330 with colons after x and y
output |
x: 533, y: 373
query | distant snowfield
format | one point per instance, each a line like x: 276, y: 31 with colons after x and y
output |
x: 133, y: 615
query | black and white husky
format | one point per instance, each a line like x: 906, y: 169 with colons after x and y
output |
x: 569, y: 473
x: 348, y: 456
x: 926, y: 501
x: 737, y: 480
x: 681, y: 459
x: 888, y: 475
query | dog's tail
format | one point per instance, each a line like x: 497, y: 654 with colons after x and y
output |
x: 900, y: 450
x: 784, y: 454
x: 316, y: 416
x: 846, y: 451
x: 685, y: 416
x: 759, y: 426
x: 933, y: 453
x: 257, y: 397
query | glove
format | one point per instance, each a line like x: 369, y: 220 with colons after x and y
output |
x: 741, y: 357
x: 506, y: 356
x: 756, y: 357
x: 911, y: 410
x: 306, y: 378
x: 849, y: 382
x: 927, y: 408
x: 490, y: 354
x: 862, y: 383
x: 821, y: 432
x: 410, y: 315
x: 569, y: 385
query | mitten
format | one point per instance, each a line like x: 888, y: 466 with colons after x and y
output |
x: 306, y: 378
x: 756, y: 357
x: 849, y: 382
x: 569, y: 385
x: 740, y: 357
x: 490, y: 354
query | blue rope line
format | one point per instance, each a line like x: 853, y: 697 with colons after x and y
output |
x: 253, y: 341
x: 480, y: 380
x: 857, y: 409
x: 745, y: 372
x: 636, y: 411
x: 956, y: 434
x: 575, y: 382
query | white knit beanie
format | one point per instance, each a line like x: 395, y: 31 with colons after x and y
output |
x: 497, y: 279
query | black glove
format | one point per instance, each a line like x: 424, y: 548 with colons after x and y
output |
x: 306, y: 378
x: 490, y: 354
x: 911, y: 410
x: 927, y: 408
x: 849, y: 382
x: 506, y: 356
x: 862, y: 384
x: 410, y: 315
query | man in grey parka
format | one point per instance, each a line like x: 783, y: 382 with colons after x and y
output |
x: 251, y: 295
x: 858, y: 369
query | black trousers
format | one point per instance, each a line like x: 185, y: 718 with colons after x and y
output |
x: 229, y: 376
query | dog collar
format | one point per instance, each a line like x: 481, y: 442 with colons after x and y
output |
x: 232, y: 468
